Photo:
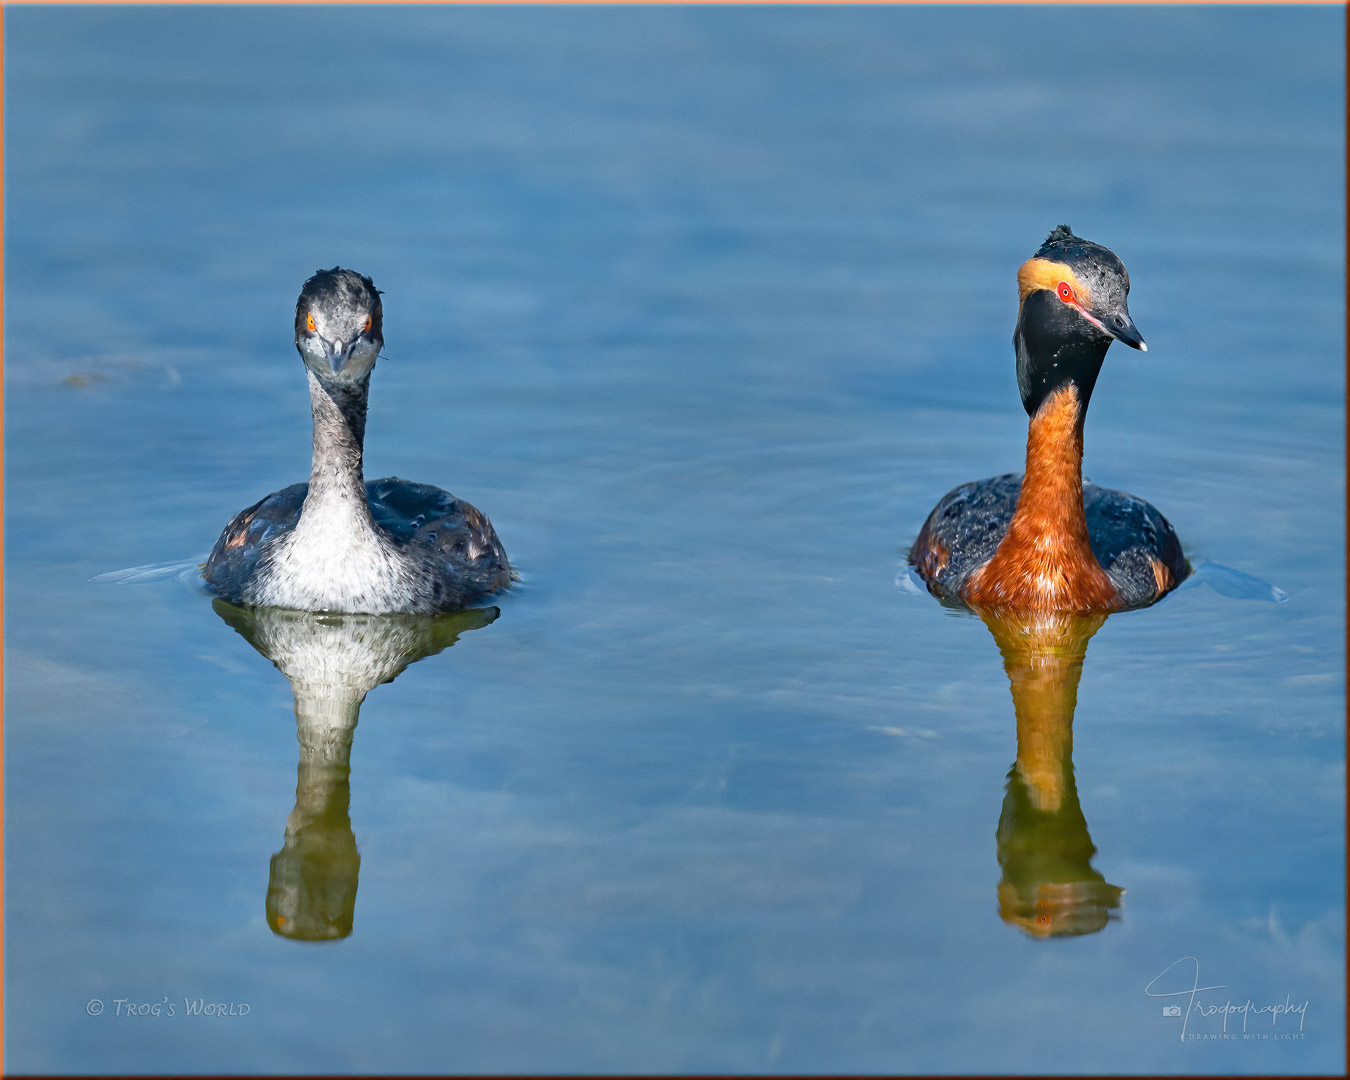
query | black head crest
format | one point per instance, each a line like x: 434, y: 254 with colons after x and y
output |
x: 345, y: 294
x: 1063, y: 246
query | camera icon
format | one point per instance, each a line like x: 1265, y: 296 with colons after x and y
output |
x: 1171, y: 1010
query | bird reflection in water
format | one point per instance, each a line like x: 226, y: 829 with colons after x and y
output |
x: 1049, y: 887
x: 331, y: 662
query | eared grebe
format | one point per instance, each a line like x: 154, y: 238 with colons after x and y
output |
x: 338, y: 543
x: 1044, y: 540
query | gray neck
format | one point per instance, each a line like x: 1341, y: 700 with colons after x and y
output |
x: 339, y: 434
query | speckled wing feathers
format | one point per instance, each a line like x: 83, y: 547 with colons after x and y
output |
x: 963, y: 531
x: 434, y: 531
x: 441, y: 531
x: 233, y: 562
x: 1134, y: 543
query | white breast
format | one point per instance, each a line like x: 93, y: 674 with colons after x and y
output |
x: 335, y: 560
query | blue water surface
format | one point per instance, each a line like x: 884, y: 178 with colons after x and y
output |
x: 706, y: 307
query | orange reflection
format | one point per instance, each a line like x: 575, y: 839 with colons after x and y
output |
x: 1049, y: 887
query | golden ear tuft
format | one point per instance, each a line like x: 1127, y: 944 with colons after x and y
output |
x: 1037, y: 273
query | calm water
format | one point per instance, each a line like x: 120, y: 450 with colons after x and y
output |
x: 706, y: 307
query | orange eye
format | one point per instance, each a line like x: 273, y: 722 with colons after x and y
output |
x: 1065, y: 293
x: 309, y: 322
x: 369, y: 324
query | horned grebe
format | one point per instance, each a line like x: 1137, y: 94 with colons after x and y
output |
x: 1044, y: 540
x: 338, y: 543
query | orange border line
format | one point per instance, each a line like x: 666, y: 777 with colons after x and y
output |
x: 2, y: 541
x: 680, y: 3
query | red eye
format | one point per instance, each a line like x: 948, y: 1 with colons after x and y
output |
x: 1065, y: 293
x: 309, y: 321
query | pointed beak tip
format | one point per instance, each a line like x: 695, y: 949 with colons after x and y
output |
x: 337, y: 353
x: 1143, y: 346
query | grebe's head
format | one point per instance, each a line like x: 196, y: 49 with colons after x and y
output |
x: 1072, y: 304
x: 339, y: 325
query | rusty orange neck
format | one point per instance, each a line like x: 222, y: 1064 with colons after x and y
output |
x: 1045, y: 561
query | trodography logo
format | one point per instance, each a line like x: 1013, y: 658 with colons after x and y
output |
x: 1186, y: 999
